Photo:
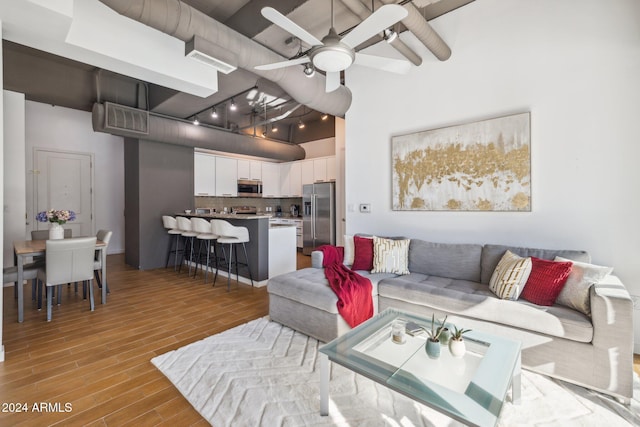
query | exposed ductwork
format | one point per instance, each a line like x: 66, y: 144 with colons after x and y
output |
x: 363, y: 13
x: 131, y: 122
x: 420, y: 28
x: 180, y: 20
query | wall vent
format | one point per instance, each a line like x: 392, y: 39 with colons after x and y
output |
x: 120, y: 117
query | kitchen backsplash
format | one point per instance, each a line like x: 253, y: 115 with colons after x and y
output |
x: 219, y: 203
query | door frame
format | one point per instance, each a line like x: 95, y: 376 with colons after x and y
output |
x: 33, y: 188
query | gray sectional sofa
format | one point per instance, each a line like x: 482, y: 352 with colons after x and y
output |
x: 453, y: 279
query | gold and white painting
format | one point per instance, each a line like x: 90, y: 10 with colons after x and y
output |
x: 479, y: 166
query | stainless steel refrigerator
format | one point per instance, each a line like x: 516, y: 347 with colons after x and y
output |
x: 318, y: 215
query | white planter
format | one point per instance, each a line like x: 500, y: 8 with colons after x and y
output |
x: 457, y: 348
x: 56, y: 232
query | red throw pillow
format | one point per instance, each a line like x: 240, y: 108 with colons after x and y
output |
x: 546, y: 280
x: 362, y: 253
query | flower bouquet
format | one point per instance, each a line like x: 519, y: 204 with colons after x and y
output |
x: 58, y: 216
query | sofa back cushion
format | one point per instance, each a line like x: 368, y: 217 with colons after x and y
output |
x: 491, y: 255
x: 452, y: 260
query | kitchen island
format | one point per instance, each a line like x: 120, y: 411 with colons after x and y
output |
x: 266, y: 257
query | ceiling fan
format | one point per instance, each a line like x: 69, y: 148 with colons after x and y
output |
x: 333, y: 54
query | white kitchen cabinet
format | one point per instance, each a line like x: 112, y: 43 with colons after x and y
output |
x: 295, y: 179
x: 306, y: 172
x: 270, y: 179
x: 226, y: 177
x: 249, y: 170
x: 204, y: 174
x: 331, y: 168
x: 320, y: 169
x: 285, y: 172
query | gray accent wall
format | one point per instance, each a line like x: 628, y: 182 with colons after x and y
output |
x: 158, y: 181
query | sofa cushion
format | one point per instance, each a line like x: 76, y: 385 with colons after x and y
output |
x: 491, y: 255
x: 510, y: 276
x: 575, y: 293
x: 309, y: 286
x: 363, y: 253
x: 390, y: 256
x: 546, y: 280
x: 458, y: 261
x: 474, y: 299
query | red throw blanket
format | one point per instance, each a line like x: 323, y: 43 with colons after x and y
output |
x: 355, y: 303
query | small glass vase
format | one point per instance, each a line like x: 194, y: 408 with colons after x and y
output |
x: 56, y: 232
x: 432, y: 348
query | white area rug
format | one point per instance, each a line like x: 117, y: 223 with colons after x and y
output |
x: 262, y: 373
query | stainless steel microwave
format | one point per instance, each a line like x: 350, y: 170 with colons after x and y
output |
x: 248, y: 188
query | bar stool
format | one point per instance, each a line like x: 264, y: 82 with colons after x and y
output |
x: 232, y: 235
x: 205, y: 235
x: 171, y: 225
x: 184, y: 225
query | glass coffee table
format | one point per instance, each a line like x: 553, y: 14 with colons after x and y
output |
x: 470, y: 389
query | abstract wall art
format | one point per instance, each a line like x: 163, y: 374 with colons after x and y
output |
x: 479, y: 166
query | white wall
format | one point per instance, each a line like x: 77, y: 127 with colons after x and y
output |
x: 14, y: 198
x: 575, y: 65
x: 319, y: 148
x: 70, y: 130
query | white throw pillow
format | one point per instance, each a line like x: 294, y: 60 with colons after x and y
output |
x: 390, y: 256
x: 575, y: 293
x: 510, y: 276
x: 349, y: 250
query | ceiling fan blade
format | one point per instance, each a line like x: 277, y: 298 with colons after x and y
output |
x: 276, y: 65
x: 289, y: 26
x: 399, y: 66
x: 333, y: 81
x: 378, y: 21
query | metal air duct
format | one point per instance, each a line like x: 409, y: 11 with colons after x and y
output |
x: 420, y: 28
x: 180, y: 20
x: 130, y: 122
x: 363, y: 13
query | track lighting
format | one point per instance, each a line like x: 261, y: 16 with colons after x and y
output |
x: 300, y: 124
x: 324, y: 117
x: 389, y: 35
x: 274, y: 128
x: 233, y: 105
x: 196, y: 122
x: 309, y: 71
x: 214, y: 113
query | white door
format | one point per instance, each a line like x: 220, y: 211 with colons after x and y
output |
x: 64, y: 180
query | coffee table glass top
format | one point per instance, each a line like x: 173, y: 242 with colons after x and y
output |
x: 470, y: 389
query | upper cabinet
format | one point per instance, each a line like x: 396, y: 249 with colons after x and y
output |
x: 270, y: 179
x: 295, y: 179
x: 250, y: 170
x: 226, y: 177
x: 218, y: 176
x: 204, y: 174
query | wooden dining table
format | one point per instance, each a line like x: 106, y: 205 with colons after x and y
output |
x: 29, y: 248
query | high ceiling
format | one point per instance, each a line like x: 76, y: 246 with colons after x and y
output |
x: 52, y: 79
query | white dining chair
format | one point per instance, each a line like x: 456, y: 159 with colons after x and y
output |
x: 68, y: 261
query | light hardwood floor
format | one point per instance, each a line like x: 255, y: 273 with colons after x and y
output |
x: 99, y: 362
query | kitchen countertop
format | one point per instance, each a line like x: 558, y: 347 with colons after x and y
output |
x: 224, y: 216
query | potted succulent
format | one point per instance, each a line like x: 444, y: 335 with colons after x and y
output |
x: 432, y: 346
x: 457, y: 346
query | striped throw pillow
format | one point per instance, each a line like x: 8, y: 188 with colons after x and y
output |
x: 390, y: 256
x: 510, y: 276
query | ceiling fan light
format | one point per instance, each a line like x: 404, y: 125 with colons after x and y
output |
x: 309, y: 71
x: 389, y: 35
x: 333, y: 60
